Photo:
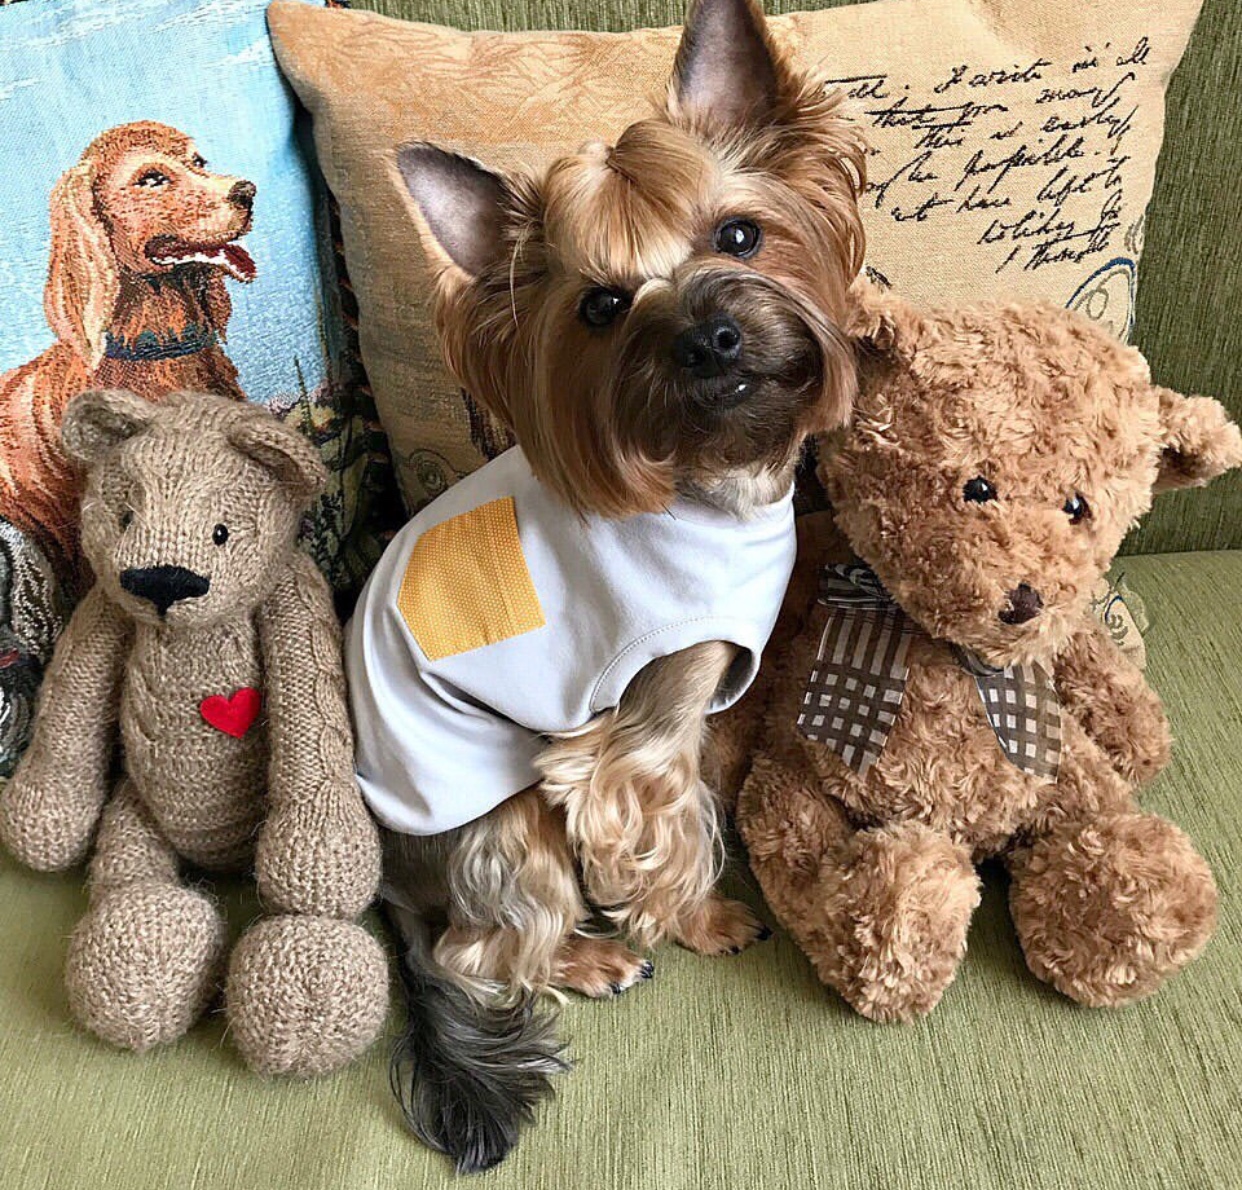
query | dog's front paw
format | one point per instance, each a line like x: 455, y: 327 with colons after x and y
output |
x: 599, y: 967
x: 720, y: 926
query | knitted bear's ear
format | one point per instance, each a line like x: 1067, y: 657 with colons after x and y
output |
x: 100, y: 419
x: 279, y: 448
x: 1200, y: 442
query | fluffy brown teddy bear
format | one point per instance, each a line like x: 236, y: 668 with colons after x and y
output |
x: 952, y: 698
x: 209, y: 649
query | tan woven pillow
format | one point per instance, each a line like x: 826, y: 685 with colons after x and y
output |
x: 1015, y: 142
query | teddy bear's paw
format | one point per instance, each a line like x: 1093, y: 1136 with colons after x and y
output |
x: 44, y: 830
x: 1108, y: 911
x: 599, y: 967
x: 316, y: 860
x: 895, y: 921
x: 143, y: 964
x: 719, y: 927
x: 305, y: 995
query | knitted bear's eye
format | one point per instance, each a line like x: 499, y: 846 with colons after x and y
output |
x: 127, y: 518
x: 220, y: 534
x: 978, y: 490
x: 1077, y: 509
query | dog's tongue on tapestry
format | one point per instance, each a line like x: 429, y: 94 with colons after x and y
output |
x: 232, y: 257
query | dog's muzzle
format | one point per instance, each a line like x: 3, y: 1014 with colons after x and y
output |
x: 164, y: 585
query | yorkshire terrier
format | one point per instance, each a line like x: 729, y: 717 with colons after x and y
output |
x: 658, y: 322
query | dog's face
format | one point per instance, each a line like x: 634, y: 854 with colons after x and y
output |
x: 995, y: 460
x: 660, y: 314
x: 164, y: 209
x: 189, y: 505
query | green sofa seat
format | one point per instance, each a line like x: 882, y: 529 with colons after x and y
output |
x: 732, y: 1074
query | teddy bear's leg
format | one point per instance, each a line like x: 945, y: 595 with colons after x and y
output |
x: 305, y: 995
x: 143, y: 963
x: 1107, y: 908
x: 882, y: 913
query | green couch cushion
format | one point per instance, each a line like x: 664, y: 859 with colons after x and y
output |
x: 722, y: 1074
x: 1189, y: 316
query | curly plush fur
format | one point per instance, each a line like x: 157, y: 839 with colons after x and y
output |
x: 874, y: 874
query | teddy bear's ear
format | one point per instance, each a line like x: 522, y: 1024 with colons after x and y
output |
x: 1200, y: 442
x: 281, y: 449
x: 100, y: 419
x: 877, y: 320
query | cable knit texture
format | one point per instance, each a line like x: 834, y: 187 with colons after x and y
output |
x: 209, y: 650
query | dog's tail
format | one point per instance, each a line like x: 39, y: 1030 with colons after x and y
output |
x: 467, y: 1075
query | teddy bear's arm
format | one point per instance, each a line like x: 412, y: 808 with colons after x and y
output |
x: 1113, y: 702
x: 318, y: 851
x: 49, y: 809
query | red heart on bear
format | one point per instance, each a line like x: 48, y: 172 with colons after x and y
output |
x: 234, y: 716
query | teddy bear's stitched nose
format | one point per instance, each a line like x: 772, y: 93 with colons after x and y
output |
x: 1024, y: 605
x: 164, y: 585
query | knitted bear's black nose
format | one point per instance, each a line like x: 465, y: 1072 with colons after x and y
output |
x: 1024, y: 605
x: 164, y: 585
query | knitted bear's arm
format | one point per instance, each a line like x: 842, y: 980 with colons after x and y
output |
x: 1112, y: 701
x: 49, y: 809
x: 318, y: 851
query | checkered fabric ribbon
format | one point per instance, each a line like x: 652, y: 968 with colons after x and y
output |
x: 859, y: 679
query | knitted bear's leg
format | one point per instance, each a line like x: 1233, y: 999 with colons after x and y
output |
x: 306, y: 995
x: 1107, y: 900
x: 143, y: 963
x: 882, y: 913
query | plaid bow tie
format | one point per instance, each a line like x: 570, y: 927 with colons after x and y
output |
x: 856, y: 687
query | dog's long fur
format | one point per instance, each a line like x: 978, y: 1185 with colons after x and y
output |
x: 623, y: 831
x: 106, y: 211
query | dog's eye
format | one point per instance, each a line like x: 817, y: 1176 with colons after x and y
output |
x: 978, y: 490
x: 602, y: 307
x: 127, y: 519
x: 152, y: 179
x: 738, y: 237
x: 220, y: 534
x: 1077, y: 509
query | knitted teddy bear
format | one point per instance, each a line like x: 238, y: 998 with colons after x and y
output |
x: 950, y: 698
x: 208, y: 648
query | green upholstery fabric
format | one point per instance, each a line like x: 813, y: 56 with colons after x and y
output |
x: 1189, y: 318
x: 722, y: 1074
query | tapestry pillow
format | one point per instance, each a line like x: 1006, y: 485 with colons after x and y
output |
x: 160, y: 231
x: 1013, y: 150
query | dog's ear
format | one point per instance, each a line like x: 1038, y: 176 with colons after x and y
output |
x: 463, y: 206
x: 99, y: 419
x: 258, y: 435
x: 1200, y: 441
x: 726, y: 75
x: 82, y: 281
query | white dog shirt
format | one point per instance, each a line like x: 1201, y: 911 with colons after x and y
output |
x: 499, y: 616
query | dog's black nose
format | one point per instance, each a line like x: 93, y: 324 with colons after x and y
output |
x: 1024, y: 605
x: 242, y: 195
x: 709, y: 349
x: 164, y: 585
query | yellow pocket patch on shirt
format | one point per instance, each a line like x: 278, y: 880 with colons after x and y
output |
x: 467, y: 584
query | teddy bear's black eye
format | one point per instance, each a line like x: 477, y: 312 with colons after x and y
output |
x: 978, y: 490
x: 1077, y: 509
x: 127, y: 518
x: 738, y: 237
x: 601, y: 307
x: 220, y: 534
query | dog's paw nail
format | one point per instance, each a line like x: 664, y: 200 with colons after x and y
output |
x: 647, y: 970
x: 617, y: 989
x: 765, y: 932
x: 735, y: 950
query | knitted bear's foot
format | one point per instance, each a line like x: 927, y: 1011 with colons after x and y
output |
x: 143, y: 963
x: 306, y: 995
x: 1108, y: 910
